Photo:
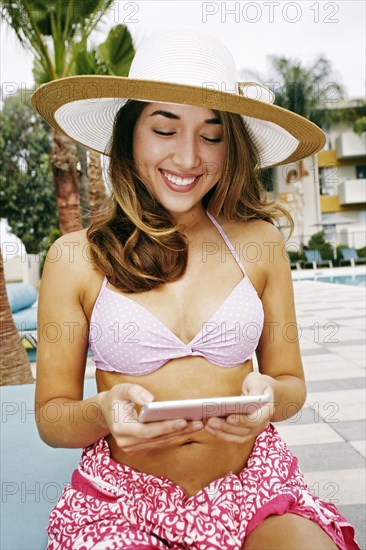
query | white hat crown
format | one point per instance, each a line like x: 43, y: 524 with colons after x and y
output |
x: 175, y: 66
x: 192, y: 58
x: 184, y: 57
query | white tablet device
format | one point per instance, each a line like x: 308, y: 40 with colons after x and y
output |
x: 200, y: 409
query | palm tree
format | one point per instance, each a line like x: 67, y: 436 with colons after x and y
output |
x: 309, y: 92
x: 304, y: 90
x: 359, y: 126
x: 56, y: 32
x: 14, y: 364
x: 113, y: 58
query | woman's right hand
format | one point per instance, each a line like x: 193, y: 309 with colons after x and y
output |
x: 134, y: 437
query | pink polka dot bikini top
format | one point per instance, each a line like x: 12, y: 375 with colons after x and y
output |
x: 125, y: 337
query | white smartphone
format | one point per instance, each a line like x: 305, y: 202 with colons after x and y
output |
x: 200, y: 409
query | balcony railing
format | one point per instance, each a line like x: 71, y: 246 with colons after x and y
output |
x: 350, y: 145
x: 352, y: 191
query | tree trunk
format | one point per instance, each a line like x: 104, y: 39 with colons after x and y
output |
x: 64, y: 168
x: 97, y: 193
x: 14, y: 364
x: 83, y: 184
x: 295, y: 176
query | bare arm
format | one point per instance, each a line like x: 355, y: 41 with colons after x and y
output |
x: 278, y: 351
x: 280, y: 368
x: 63, y: 418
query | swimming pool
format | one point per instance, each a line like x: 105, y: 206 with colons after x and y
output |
x: 354, y: 280
x: 354, y: 276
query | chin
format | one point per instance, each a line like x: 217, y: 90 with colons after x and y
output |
x: 178, y: 208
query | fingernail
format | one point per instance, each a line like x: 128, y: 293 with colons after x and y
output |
x: 215, y: 424
x: 210, y: 430
x: 146, y: 396
x: 181, y: 424
x: 197, y: 425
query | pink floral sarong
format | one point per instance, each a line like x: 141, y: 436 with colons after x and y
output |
x: 109, y: 505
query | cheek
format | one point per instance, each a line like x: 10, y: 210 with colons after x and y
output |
x: 217, y: 164
x: 140, y: 158
x: 147, y: 153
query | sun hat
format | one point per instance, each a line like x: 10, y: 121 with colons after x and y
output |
x: 182, y: 66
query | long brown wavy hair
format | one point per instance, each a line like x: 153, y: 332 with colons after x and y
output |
x: 135, y: 241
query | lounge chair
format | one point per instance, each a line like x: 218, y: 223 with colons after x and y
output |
x: 23, y: 305
x: 314, y: 258
x: 350, y: 255
x: 294, y: 265
x: 32, y: 473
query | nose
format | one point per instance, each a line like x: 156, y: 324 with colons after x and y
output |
x: 186, y: 154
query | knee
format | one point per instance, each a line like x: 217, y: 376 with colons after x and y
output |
x: 288, y: 532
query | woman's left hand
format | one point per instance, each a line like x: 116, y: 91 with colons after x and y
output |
x: 238, y: 428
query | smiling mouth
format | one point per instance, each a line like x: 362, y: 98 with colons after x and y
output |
x: 177, y: 180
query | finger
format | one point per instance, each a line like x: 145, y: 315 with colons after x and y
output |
x: 262, y: 413
x: 238, y: 434
x: 152, y: 430
x: 234, y: 427
x: 133, y: 392
x: 253, y: 384
x: 191, y: 427
x: 231, y: 437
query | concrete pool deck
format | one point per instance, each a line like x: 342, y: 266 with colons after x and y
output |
x: 328, y: 435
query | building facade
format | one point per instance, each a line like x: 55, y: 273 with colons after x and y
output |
x: 328, y: 190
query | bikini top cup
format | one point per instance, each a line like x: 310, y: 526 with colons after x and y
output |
x: 125, y: 337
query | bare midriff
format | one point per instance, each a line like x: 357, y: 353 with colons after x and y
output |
x: 191, y: 461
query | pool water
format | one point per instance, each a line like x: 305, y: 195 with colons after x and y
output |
x: 354, y: 280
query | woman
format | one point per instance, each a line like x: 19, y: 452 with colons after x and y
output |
x: 164, y: 289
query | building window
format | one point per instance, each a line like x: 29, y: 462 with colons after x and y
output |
x: 328, y: 180
x: 361, y: 172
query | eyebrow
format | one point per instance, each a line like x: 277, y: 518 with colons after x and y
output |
x: 168, y: 114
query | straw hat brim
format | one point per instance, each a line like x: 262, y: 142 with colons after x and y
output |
x: 93, y: 101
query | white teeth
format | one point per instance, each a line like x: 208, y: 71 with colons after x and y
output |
x: 177, y: 180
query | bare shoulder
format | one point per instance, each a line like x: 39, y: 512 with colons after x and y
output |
x: 68, y: 261
x: 68, y: 255
x: 258, y: 237
x: 71, y: 241
x: 263, y: 229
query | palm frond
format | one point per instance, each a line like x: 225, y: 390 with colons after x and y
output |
x: 23, y: 17
x: 117, y: 52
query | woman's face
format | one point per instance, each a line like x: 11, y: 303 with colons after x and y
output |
x: 178, y: 152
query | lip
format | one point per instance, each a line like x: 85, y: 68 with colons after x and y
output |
x: 179, y: 188
x: 180, y: 174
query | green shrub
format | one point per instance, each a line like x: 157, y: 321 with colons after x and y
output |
x: 295, y: 256
x: 318, y: 242
x: 339, y: 250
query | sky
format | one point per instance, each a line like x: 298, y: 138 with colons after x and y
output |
x: 253, y: 30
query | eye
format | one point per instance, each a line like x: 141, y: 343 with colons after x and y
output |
x: 209, y: 140
x: 163, y: 133
x: 212, y: 140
